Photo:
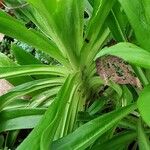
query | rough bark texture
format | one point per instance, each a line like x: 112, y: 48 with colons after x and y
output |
x: 117, y: 70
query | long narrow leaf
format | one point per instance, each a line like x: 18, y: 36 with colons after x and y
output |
x: 50, y: 121
x: 25, y: 70
x: 89, y: 132
x: 95, y: 26
x: 138, y: 16
x: 144, y: 104
x: 117, y: 141
x: 65, y: 17
x: 28, y: 87
x: 14, y: 119
x: 15, y: 29
x: 144, y: 143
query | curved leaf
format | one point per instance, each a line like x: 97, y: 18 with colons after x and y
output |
x: 65, y: 17
x: 144, y: 104
x: 28, y: 88
x: 42, y: 97
x: 138, y: 16
x: 117, y: 141
x: 6, y: 62
x: 96, y: 32
x: 49, y: 123
x: 14, y: 119
x: 26, y: 70
x: 126, y: 51
x: 82, y: 137
x: 143, y: 140
x: 15, y: 29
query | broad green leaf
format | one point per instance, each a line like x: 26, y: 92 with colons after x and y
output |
x: 143, y: 140
x: 14, y: 119
x: 23, y: 57
x: 28, y: 87
x: 25, y: 70
x: 117, y: 141
x: 65, y: 17
x: 12, y: 27
x: 144, y: 104
x: 138, y: 14
x: 146, y: 6
x: 49, y: 123
x: 126, y: 51
x: 82, y: 137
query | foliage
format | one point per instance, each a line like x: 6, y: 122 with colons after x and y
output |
x: 66, y: 105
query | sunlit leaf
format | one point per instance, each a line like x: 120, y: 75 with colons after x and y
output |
x: 50, y: 121
x: 82, y: 137
x: 126, y: 51
x: 144, y: 104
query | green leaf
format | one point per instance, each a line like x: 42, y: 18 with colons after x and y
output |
x: 14, y: 119
x: 65, y: 17
x: 28, y: 87
x: 23, y: 57
x: 144, y: 104
x: 18, y: 103
x: 100, y: 12
x: 96, y: 106
x: 138, y: 15
x: 117, y: 22
x: 25, y: 70
x: 12, y: 27
x: 143, y: 141
x: 6, y: 62
x: 1, y: 141
x: 82, y: 137
x: 127, y: 96
x: 42, y: 97
x: 126, y: 51
x: 42, y: 135
x: 96, y: 32
x: 117, y: 141
x: 146, y: 5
